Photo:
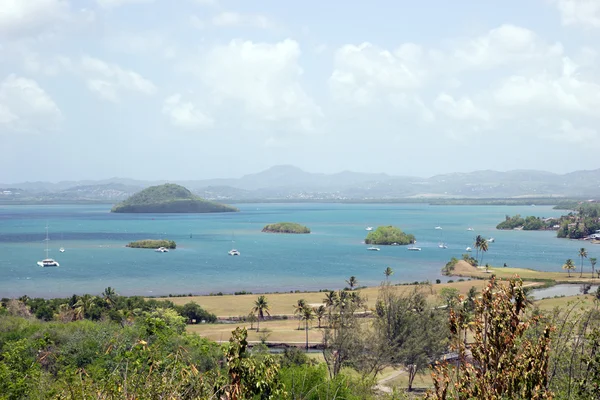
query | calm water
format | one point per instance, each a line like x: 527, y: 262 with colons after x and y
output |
x: 95, y: 255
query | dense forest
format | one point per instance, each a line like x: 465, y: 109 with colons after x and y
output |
x: 168, y: 198
x: 388, y: 235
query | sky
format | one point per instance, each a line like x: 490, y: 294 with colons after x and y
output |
x: 196, y: 89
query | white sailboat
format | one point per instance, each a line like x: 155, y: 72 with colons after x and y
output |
x: 413, y: 247
x: 48, y: 262
x: 233, y: 251
x: 62, y: 249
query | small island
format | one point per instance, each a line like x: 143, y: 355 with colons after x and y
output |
x: 169, y: 198
x: 286, y: 227
x: 389, y: 235
x: 152, y: 244
x: 529, y: 223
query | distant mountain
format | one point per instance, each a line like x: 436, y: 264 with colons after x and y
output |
x: 287, y: 182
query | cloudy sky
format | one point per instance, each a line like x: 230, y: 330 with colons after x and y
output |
x: 192, y: 89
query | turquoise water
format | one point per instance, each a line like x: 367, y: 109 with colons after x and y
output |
x: 95, y: 255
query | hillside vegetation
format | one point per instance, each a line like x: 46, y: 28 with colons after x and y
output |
x: 169, y: 198
x: 386, y: 235
x: 286, y: 227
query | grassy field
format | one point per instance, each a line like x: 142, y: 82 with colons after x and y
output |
x: 465, y: 269
x: 283, y: 303
x: 581, y: 301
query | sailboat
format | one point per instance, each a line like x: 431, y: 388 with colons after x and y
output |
x: 442, y: 245
x: 233, y: 251
x: 62, y: 249
x: 48, y: 262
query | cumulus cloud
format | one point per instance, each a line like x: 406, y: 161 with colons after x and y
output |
x: 185, y: 114
x: 24, y: 105
x: 585, y: 13
x: 263, y: 78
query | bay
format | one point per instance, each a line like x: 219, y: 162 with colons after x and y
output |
x: 96, y: 256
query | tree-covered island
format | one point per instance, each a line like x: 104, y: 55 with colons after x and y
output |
x: 389, y: 235
x: 169, y: 198
x: 152, y: 244
x: 286, y: 227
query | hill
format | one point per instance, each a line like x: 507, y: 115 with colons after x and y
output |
x: 168, y: 198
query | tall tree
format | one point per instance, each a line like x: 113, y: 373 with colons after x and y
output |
x: 569, y: 266
x: 298, y: 309
x: 593, y: 263
x: 261, y: 307
x: 330, y: 301
x: 307, y: 316
x: 320, y: 313
x: 483, y: 248
x: 582, y: 254
x: 388, y: 272
x: 478, y: 240
x: 110, y: 296
x: 352, y: 282
x: 510, y: 357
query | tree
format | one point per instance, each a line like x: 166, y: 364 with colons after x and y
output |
x: 478, y: 240
x: 298, y: 309
x: 320, y: 313
x: 330, y: 301
x: 110, y: 296
x: 593, y: 262
x: 582, y: 254
x: 510, y: 357
x: 569, y: 266
x: 388, y: 272
x: 261, y: 307
x: 307, y: 316
x: 352, y: 282
x: 483, y: 247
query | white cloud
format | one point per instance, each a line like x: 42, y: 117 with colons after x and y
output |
x: 566, y: 132
x: 119, y: 3
x: 144, y: 43
x: 234, y: 19
x: 24, y: 105
x: 109, y: 81
x: 185, y: 114
x: 28, y: 17
x: 462, y: 109
x: 263, y: 78
x: 580, y: 12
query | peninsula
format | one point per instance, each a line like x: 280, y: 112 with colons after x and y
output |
x: 389, y: 235
x: 169, y: 198
x: 286, y: 227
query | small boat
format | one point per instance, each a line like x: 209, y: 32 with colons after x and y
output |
x: 62, y: 249
x: 438, y: 228
x: 469, y: 229
x: 442, y: 246
x: 491, y: 240
x: 394, y: 244
x: 233, y: 252
x: 162, y: 250
x: 369, y: 228
x: 414, y: 248
x: 468, y: 249
x: 48, y: 262
x: 373, y: 248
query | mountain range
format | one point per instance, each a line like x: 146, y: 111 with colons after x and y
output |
x: 287, y: 182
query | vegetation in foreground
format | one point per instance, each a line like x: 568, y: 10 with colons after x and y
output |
x: 168, y: 198
x: 389, y: 235
x: 152, y: 244
x: 286, y: 227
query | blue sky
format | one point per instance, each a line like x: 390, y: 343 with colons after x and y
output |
x: 193, y: 89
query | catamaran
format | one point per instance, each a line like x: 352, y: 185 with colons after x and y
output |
x: 233, y: 251
x: 48, y: 262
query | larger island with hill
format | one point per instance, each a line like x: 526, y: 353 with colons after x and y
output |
x: 169, y: 198
x: 389, y: 235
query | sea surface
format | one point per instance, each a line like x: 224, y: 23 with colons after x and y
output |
x: 96, y: 256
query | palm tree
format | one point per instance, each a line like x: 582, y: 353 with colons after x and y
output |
x: 569, y: 266
x: 306, y: 316
x: 593, y: 262
x: 299, y: 308
x: 582, y: 254
x: 330, y: 300
x: 109, y: 295
x: 352, y: 282
x: 483, y: 247
x: 388, y: 272
x: 478, y: 240
x: 261, y: 307
x: 83, y: 305
x: 320, y: 313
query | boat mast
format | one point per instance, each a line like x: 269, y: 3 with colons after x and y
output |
x: 47, y: 240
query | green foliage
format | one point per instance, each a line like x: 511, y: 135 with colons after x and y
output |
x: 195, y: 314
x: 387, y: 235
x: 286, y: 227
x: 449, y: 267
x: 152, y: 244
x: 168, y: 198
x: 529, y: 223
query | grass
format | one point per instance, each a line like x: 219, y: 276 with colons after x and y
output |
x: 584, y: 301
x: 421, y: 381
x: 283, y: 303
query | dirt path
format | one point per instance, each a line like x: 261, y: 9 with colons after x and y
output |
x: 381, y: 383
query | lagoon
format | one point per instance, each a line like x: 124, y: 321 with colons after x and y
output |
x: 96, y: 256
